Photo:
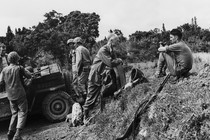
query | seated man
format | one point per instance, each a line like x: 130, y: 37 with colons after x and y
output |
x: 177, y: 57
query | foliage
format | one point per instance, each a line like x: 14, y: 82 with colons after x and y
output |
x: 51, y: 35
x: 143, y: 45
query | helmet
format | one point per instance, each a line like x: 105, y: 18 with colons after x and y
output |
x: 70, y: 41
x: 77, y: 40
x: 112, y: 36
x: 13, y: 57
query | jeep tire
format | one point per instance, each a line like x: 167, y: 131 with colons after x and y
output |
x: 56, y: 106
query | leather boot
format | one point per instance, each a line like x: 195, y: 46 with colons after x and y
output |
x: 17, y: 135
x: 161, y: 70
x: 85, y: 117
x: 10, y: 134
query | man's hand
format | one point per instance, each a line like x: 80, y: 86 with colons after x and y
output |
x: 162, y: 49
x: 128, y: 86
x: 119, y: 60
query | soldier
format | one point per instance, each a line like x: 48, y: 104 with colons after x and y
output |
x: 16, y: 95
x: 81, y: 62
x: 72, y: 55
x: 178, y: 56
x: 104, y: 57
x: 3, y: 59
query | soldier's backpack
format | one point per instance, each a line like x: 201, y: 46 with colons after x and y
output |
x: 137, y: 74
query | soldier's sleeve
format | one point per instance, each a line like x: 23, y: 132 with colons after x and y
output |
x: 116, y: 62
x: 174, y: 48
x: 26, y: 73
x: 107, y: 59
x: 78, y: 59
x: 1, y: 77
x: 2, y: 83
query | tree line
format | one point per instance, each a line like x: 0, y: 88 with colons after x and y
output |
x: 46, y: 42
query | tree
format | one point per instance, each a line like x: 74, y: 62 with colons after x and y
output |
x: 9, y: 37
x: 51, y: 34
x: 163, y: 28
x: 9, y: 34
x: 52, y: 19
x: 80, y: 24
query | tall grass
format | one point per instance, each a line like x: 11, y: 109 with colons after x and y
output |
x: 200, y: 59
x: 204, y: 57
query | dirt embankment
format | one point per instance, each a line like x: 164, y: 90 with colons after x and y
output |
x: 182, y: 111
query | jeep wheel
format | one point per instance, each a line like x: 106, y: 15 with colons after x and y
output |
x: 56, y: 106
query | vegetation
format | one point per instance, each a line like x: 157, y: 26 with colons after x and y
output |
x: 180, y: 112
x: 49, y: 37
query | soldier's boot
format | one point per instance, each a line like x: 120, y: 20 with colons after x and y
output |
x: 173, y: 79
x: 161, y: 69
x: 163, y: 72
x: 10, y: 134
x: 17, y: 135
x: 85, y: 118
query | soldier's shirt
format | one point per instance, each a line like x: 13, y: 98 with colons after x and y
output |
x: 83, y: 58
x: 3, y: 62
x: 104, y: 57
x: 11, y: 76
x: 73, y: 54
x: 182, y: 53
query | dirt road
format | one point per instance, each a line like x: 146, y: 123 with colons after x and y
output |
x: 37, y: 128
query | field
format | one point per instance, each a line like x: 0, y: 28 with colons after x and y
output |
x: 181, y: 111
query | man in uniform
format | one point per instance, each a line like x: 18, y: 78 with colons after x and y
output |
x: 104, y: 58
x: 178, y: 56
x: 72, y: 55
x: 3, y: 59
x: 81, y: 62
x: 16, y: 95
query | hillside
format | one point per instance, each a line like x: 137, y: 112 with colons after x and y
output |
x: 181, y: 111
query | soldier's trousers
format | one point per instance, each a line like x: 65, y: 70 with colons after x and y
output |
x: 92, y: 97
x: 19, y: 109
x: 168, y: 59
x: 80, y: 83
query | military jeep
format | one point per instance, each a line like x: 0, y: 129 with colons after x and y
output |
x: 49, y: 93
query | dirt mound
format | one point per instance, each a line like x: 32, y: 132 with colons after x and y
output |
x: 205, y: 71
x: 181, y: 111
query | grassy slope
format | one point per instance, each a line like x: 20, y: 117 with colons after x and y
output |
x: 180, y: 112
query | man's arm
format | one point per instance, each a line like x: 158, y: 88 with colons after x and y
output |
x: 2, y: 83
x: 78, y: 59
x: 174, y: 47
x: 26, y: 73
x: 1, y: 77
x: 106, y: 58
x: 162, y: 48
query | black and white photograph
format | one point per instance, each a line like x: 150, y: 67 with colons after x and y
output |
x: 105, y: 70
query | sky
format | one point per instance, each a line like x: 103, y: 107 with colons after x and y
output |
x: 127, y: 15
